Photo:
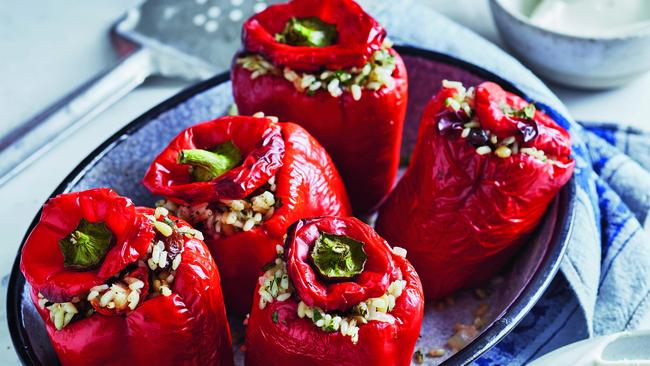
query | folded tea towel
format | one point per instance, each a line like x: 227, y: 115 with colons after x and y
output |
x: 604, y: 280
x: 577, y: 306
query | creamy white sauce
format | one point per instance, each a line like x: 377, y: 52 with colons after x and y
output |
x: 592, y: 17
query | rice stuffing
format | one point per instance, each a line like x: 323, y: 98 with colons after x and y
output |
x: 483, y: 140
x: 226, y: 217
x: 123, y: 293
x: 275, y: 285
x: 374, y: 75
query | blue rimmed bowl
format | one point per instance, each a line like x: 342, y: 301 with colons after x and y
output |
x: 120, y: 163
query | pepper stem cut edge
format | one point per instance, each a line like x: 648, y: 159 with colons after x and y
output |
x: 208, y: 165
x: 338, y: 256
x: 86, y: 246
x: 309, y: 31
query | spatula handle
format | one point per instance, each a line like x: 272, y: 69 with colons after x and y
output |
x: 31, y: 140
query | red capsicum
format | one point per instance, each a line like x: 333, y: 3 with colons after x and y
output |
x: 277, y: 173
x: 485, y: 167
x: 337, y: 294
x: 106, y: 300
x: 326, y: 66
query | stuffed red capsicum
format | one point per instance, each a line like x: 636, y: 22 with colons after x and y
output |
x: 485, y: 167
x: 337, y: 294
x: 242, y: 181
x: 118, y: 285
x: 327, y: 66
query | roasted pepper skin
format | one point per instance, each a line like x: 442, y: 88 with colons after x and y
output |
x: 359, y: 35
x: 295, y: 341
x: 363, y: 137
x: 307, y: 183
x: 462, y: 215
x: 189, y: 327
x: 42, y: 260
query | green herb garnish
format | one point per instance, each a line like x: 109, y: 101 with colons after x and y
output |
x: 317, y: 315
x: 274, y: 317
x: 86, y: 246
x: 310, y: 31
x: 207, y: 165
x: 169, y: 221
x: 338, y: 256
x: 528, y: 112
x: 343, y: 76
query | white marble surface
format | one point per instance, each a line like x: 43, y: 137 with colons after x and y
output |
x: 47, y: 47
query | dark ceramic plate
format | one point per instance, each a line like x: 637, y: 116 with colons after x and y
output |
x: 120, y: 163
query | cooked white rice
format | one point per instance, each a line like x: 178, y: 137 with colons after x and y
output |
x: 275, y: 285
x: 374, y: 75
x: 227, y: 217
x: 464, y: 100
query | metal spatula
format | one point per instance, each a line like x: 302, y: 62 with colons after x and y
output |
x: 190, y: 39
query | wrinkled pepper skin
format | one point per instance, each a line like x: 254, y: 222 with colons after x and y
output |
x: 306, y: 179
x: 42, y: 260
x: 363, y: 137
x: 297, y: 341
x: 359, y: 35
x: 462, y: 215
x: 189, y: 327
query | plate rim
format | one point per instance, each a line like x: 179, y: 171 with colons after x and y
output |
x: 495, y: 332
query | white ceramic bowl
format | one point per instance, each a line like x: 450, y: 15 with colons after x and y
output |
x: 582, y: 62
x: 619, y: 349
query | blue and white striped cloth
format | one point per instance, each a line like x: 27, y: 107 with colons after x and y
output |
x: 604, y: 280
x: 609, y: 290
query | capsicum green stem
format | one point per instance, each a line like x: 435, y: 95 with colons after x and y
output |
x: 86, y: 246
x: 338, y: 256
x: 310, y: 31
x: 207, y: 165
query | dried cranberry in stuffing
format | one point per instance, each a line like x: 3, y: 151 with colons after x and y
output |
x: 174, y: 243
x: 528, y: 129
x: 450, y: 121
x: 478, y: 137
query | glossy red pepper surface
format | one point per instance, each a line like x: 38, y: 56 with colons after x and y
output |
x: 359, y: 35
x: 262, y: 148
x: 362, y: 136
x: 287, y: 339
x: 42, y: 260
x: 189, y: 327
x: 462, y: 215
x: 307, y: 185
